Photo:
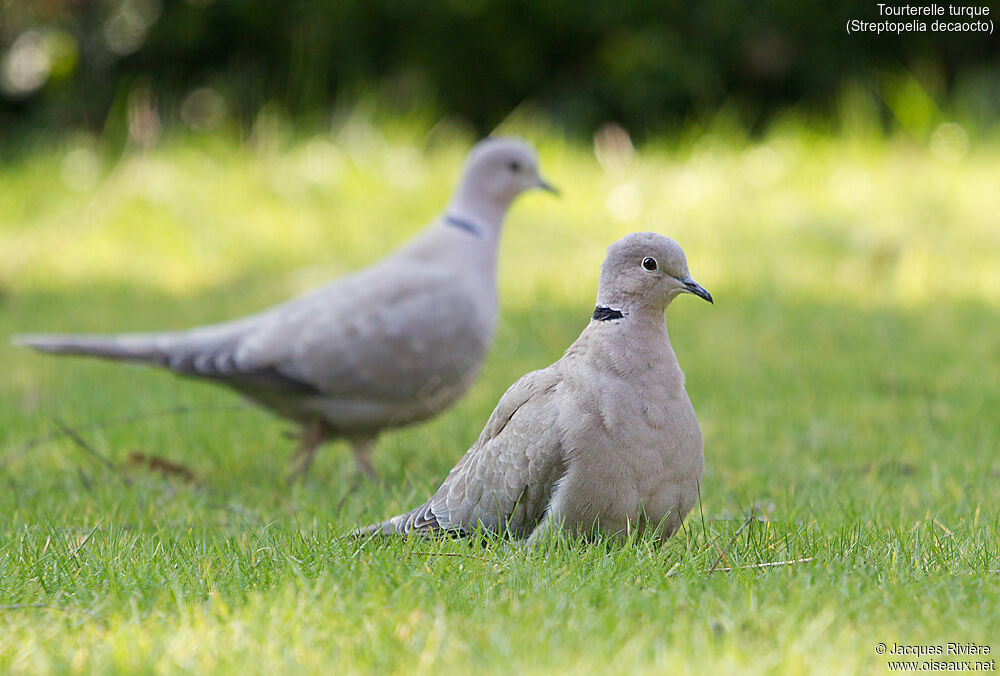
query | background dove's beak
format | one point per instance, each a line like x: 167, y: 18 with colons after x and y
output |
x: 545, y: 185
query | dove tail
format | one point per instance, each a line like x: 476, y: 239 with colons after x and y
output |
x: 398, y: 525
x: 419, y: 521
x: 374, y: 530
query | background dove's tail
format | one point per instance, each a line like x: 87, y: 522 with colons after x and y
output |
x: 206, y: 352
x: 135, y: 347
x: 203, y: 352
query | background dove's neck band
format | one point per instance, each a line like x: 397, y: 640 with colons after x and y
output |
x: 463, y: 224
x: 469, y: 203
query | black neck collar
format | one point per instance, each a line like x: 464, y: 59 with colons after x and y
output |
x: 603, y: 314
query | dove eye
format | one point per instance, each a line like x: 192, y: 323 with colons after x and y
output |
x: 649, y: 264
x: 514, y: 166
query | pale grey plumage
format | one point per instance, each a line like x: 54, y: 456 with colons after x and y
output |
x: 389, y: 345
x: 604, y: 439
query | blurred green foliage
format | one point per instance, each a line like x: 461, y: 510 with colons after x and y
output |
x: 646, y: 65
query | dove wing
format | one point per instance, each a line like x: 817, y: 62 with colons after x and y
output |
x: 372, y: 338
x: 505, y: 481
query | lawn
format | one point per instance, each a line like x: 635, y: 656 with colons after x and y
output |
x: 847, y: 381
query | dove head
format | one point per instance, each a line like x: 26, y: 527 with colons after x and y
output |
x: 645, y: 270
x: 496, y: 171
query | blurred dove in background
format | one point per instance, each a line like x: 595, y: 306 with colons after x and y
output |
x: 605, y: 439
x: 391, y: 344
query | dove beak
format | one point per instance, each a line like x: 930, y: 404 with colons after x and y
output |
x: 691, y: 286
x: 545, y: 185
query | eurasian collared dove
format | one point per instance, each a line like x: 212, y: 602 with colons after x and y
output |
x: 386, y: 346
x: 605, y: 439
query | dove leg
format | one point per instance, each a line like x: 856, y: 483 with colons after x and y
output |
x: 362, y: 455
x: 313, y: 434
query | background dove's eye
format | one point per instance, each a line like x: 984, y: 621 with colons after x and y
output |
x: 514, y: 166
x: 649, y: 263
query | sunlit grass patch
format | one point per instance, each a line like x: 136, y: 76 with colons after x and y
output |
x: 845, y: 382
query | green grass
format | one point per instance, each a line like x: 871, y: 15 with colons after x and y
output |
x: 846, y: 381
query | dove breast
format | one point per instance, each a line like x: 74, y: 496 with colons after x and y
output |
x: 630, y: 432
